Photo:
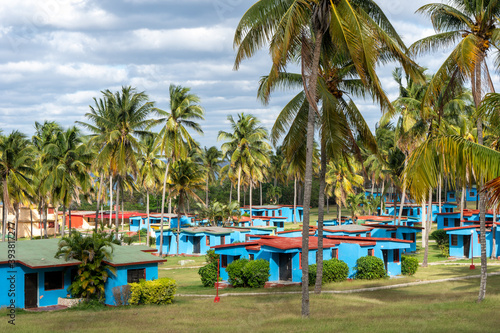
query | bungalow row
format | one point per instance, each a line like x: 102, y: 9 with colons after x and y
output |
x: 470, y: 195
x: 285, y: 211
x: 198, y: 240
x: 37, y: 279
x: 414, y: 211
x: 470, y: 217
x: 465, y: 241
x: 284, y: 253
x: 140, y: 221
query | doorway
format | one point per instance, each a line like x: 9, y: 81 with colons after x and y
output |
x: 285, y: 262
x: 466, y: 246
x: 385, y: 256
x: 196, y: 244
x: 31, y: 290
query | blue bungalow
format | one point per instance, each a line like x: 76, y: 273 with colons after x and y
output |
x: 194, y: 240
x: 404, y: 232
x: 345, y: 230
x: 387, y: 249
x: 261, y: 211
x: 38, y: 279
x: 140, y: 221
x: 448, y: 220
x: 464, y: 241
x: 287, y: 211
x: 470, y: 195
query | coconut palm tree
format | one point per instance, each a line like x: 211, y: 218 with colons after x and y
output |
x: 211, y: 159
x: 150, y: 169
x: 16, y: 161
x: 184, y: 111
x: 66, y: 161
x: 184, y: 179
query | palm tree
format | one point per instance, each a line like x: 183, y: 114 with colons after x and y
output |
x: 212, y: 159
x: 248, y: 145
x: 354, y: 202
x: 116, y: 122
x: 184, y: 111
x: 150, y: 169
x: 184, y: 179
x: 66, y: 161
x: 471, y: 27
x: 16, y: 162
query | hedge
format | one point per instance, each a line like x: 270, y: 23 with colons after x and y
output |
x: 370, y: 268
x: 409, y: 265
x: 160, y: 291
x: 334, y: 270
x: 208, y: 274
x: 256, y: 273
x: 234, y: 271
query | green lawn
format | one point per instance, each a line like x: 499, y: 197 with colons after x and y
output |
x: 441, y: 307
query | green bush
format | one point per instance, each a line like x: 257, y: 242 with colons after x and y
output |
x: 211, y: 256
x: 235, y: 272
x: 159, y: 291
x: 256, y: 273
x: 409, y: 265
x: 334, y: 270
x: 208, y: 274
x: 370, y: 268
x: 442, y: 241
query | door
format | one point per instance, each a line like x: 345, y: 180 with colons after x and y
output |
x: 384, y: 254
x: 196, y: 244
x: 466, y: 246
x: 285, y: 262
x: 31, y: 290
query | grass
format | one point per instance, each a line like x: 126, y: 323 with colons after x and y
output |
x: 441, y: 307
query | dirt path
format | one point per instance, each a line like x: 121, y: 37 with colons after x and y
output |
x: 350, y: 291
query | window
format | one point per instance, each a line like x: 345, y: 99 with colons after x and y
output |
x: 412, y: 237
x: 452, y: 195
x: 300, y: 260
x: 395, y: 255
x: 393, y: 235
x: 54, y: 280
x: 280, y: 212
x: 208, y: 240
x: 454, y: 240
x: 251, y: 256
x: 370, y: 252
x: 222, y: 240
x: 335, y: 253
x: 134, y: 275
x: 223, y: 261
x: 472, y: 193
x: 479, y: 238
x: 445, y: 222
x: 457, y: 222
x: 247, y: 237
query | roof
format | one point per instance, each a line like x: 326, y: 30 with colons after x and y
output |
x: 346, y: 228
x: 40, y: 254
x: 36, y: 253
x: 375, y: 218
x: 391, y: 226
x: 375, y: 239
x: 207, y: 230
x: 281, y: 243
x: 261, y: 207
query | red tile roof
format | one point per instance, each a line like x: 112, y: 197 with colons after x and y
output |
x: 374, y: 239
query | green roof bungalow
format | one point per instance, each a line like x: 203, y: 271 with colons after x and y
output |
x: 34, y: 278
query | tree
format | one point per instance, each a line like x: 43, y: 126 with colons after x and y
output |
x: 184, y: 179
x: 150, y: 169
x: 354, y: 202
x: 16, y: 162
x: 212, y: 158
x: 184, y: 111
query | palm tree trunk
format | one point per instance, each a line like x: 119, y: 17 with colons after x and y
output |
x: 147, y: 213
x: 439, y: 192
x: 327, y: 204
x: 69, y: 218
x: 428, y: 224
x: 63, y: 225
x: 16, y: 226
x: 230, y: 191
x: 482, y: 200
x: 295, y: 200
x: 5, y: 210
x: 462, y: 204
x: 251, y: 220
x: 260, y: 185
x: 110, y: 199
x: 163, y: 209
x: 117, y: 204
x: 239, y: 184
x: 493, y: 231
x: 123, y: 209
x: 339, y: 212
x: 206, y: 193
x: 56, y: 221
x: 382, y: 198
x: 31, y: 224
x: 403, y: 196
x: 179, y: 204
x: 321, y: 206
x: 98, y: 202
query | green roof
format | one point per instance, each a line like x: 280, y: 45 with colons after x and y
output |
x: 36, y: 253
x: 40, y: 254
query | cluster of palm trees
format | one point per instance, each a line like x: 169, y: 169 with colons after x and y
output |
x: 338, y: 44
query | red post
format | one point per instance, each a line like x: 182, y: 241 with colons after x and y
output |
x: 217, y: 298
x: 472, y: 255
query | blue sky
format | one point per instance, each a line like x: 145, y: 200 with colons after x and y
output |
x: 56, y: 55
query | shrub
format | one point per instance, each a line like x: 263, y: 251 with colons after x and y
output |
x: 370, y: 268
x: 335, y: 270
x: 121, y: 294
x: 211, y: 257
x: 409, y: 265
x: 256, y: 273
x: 159, y: 291
x: 235, y: 272
x: 442, y: 241
x: 208, y: 274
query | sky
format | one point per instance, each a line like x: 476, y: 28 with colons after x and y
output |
x: 56, y: 55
